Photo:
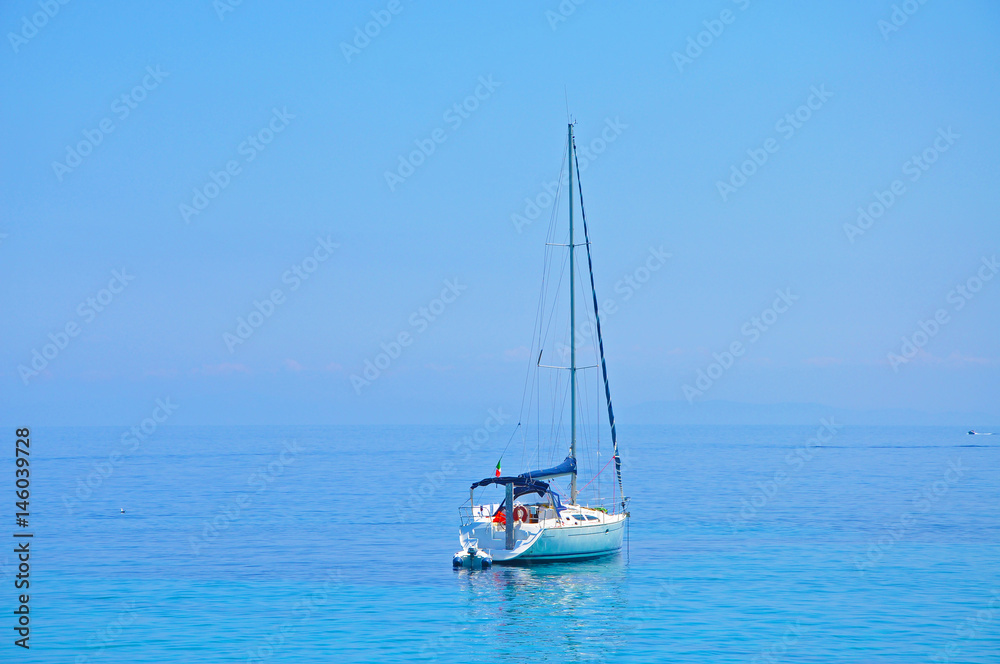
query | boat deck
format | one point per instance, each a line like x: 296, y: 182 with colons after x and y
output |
x: 540, y: 533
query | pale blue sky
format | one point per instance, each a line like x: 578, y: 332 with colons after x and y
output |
x: 323, y: 175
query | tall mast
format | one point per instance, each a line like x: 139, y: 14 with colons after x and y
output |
x: 572, y: 324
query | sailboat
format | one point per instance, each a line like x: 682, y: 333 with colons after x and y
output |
x: 534, y: 522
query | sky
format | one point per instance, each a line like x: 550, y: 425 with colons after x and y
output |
x: 172, y: 174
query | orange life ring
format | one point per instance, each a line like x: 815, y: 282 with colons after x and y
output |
x: 520, y: 514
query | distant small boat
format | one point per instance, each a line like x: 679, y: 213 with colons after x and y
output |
x: 973, y: 432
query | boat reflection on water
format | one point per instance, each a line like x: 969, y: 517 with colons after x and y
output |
x: 570, y: 609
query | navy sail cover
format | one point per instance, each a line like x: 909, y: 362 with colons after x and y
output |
x: 524, y: 486
x: 567, y: 467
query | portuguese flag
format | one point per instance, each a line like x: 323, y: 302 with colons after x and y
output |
x: 498, y: 466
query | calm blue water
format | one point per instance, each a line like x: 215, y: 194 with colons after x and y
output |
x: 882, y: 545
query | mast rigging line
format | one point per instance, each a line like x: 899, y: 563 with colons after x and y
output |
x: 597, y: 475
x: 526, y: 395
x: 541, y: 293
x: 510, y: 439
x: 597, y: 317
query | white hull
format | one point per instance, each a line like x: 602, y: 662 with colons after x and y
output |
x: 580, y: 533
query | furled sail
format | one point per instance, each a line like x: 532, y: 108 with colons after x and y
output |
x: 600, y: 340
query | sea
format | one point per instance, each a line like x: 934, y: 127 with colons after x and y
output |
x: 821, y: 543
